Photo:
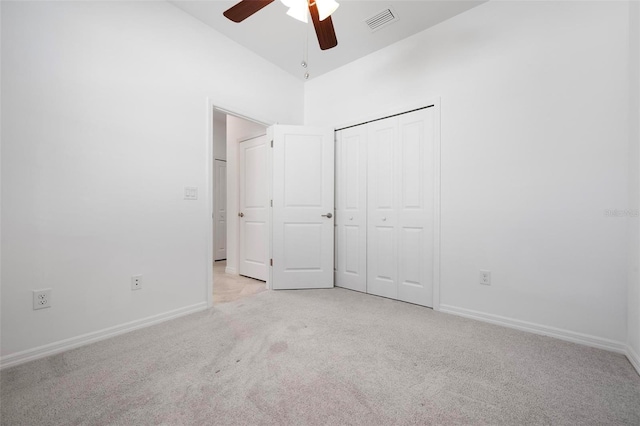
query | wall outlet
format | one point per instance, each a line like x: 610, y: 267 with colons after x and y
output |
x: 190, y: 193
x: 41, y: 298
x: 485, y: 277
x: 136, y: 282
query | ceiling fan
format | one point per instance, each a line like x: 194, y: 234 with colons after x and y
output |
x: 320, y: 11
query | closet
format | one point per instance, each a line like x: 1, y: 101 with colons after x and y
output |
x: 385, y: 207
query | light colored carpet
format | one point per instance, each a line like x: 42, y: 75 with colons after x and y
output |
x: 324, y: 357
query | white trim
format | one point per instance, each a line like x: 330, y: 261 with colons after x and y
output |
x: 558, y: 333
x: 231, y: 271
x: 85, y: 339
x: 633, y: 358
x: 243, y: 116
x: 209, y: 201
x: 270, y: 274
x: 437, y: 191
x: 248, y: 138
x: 269, y: 134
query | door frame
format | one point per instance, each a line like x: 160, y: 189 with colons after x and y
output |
x: 402, y: 109
x: 212, y: 106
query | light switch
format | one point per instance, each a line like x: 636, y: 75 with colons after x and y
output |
x: 190, y: 193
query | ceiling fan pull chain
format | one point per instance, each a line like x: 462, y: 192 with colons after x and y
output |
x: 305, y: 53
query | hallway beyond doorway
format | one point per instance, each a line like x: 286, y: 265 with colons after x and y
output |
x: 227, y: 287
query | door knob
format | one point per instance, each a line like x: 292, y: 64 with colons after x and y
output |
x: 241, y: 214
x: 329, y: 215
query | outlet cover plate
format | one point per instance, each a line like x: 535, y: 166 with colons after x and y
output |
x: 485, y: 277
x: 136, y: 282
x: 41, y: 298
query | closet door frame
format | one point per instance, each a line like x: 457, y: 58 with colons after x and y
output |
x: 402, y: 109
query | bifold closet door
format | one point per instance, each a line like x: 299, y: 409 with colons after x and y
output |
x: 400, y: 207
x: 351, y: 209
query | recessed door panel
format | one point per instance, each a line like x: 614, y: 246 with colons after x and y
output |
x: 302, y: 258
x: 352, y: 250
x: 352, y: 171
x: 382, y: 140
x: 254, y: 242
x: 412, y: 167
x: 255, y: 188
x: 303, y: 170
x: 411, y: 257
x: 385, y: 262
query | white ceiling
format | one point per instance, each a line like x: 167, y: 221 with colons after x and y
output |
x: 282, y: 40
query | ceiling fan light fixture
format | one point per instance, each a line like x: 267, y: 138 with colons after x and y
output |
x: 299, y: 12
x: 323, y: 27
x: 297, y: 9
x: 326, y: 8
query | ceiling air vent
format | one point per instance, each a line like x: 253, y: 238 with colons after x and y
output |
x: 381, y: 19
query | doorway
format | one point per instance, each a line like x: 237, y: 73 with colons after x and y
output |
x: 227, y: 131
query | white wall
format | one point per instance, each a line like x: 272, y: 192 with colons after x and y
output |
x: 105, y: 122
x: 634, y: 187
x: 534, y: 99
x: 238, y: 129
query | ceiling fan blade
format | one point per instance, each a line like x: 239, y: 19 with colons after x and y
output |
x: 244, y: 9
x: 324, y: 29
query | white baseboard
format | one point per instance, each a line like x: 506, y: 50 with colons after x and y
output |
x: 634, y: 358
x: 85, y: 339
x: 230, y: 270
x: 558, y: 333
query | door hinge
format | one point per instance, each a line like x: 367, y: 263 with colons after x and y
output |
x: 272, y: 143
x: 271, y: 262
x: 271, y: 203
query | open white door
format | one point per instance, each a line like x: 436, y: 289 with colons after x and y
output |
x: 303, y: 210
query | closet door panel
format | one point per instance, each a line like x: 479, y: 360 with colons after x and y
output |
x: 382, y: 184
x: 351, y: 209
x: 415, y: 210
x: 352, y: 237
